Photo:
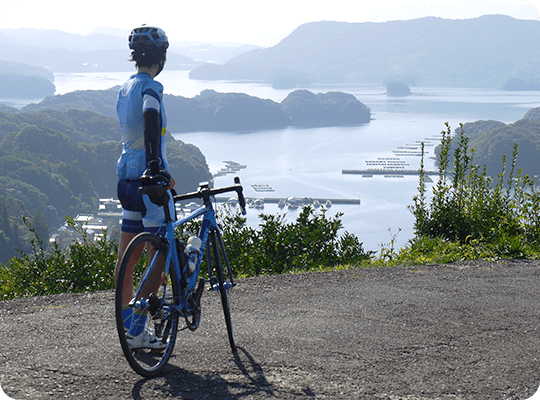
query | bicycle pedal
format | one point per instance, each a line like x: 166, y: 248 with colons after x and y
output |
x: 215, y: 286
x: 153, y: 303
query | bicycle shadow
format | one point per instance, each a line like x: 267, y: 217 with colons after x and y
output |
x: 178, y: 383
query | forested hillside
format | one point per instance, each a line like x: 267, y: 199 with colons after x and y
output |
x: 59, y: 163
x: 493, y: 139
x: 99, y: 101
x: 307, y: 109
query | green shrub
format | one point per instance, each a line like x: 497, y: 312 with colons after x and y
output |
x: 276, y: 247
x: 470, y: 209
x: 85, y: 266
x: 312, y: 242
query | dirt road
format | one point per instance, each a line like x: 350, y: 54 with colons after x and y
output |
x: 461, y: 331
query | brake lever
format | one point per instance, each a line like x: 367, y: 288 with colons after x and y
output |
x: 241, y: 199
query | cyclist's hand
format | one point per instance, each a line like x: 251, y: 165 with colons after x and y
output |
x: 148, y: 178
x: 171, y: 183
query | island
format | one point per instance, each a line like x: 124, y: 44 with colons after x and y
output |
x: 397, y: 89
x: 214, y: 111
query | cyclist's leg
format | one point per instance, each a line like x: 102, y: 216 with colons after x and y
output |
x: 132, y: 215
x: 127, y: 284
x: 151, y: 285
x: 153, y: 218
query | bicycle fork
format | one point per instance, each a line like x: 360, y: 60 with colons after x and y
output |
x: 216, y: 238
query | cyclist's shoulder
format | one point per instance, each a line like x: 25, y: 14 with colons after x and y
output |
x: 140, y: 84
x: 153, y: 88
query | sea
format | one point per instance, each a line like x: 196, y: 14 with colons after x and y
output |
x: 309, y: 163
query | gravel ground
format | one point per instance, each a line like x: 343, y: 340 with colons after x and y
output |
x: 466, y: 330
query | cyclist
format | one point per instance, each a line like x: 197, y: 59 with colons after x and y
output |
x: 142, y: 124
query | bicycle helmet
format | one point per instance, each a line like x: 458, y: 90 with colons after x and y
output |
x: 148, y: 35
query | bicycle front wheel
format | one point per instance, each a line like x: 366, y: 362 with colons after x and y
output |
x: 147, y: 325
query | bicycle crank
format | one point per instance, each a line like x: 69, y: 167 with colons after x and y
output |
x: 192, y: 306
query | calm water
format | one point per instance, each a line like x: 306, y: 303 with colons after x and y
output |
x: 308, y: 162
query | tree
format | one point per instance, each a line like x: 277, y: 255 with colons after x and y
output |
x: 41, y: 228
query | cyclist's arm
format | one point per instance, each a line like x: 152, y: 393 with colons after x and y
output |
x: 152, y: 134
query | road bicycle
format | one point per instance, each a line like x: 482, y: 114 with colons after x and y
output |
x: 155, y: 287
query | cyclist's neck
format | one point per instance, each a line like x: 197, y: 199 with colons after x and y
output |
x: 152, y: 71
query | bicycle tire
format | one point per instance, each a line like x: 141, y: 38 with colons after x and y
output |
x: 218, y: 266
x: 159, y: 321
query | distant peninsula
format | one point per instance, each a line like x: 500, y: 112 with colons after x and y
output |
x: 520, y: 84
x: 214, y: 111
x: 23, y: 81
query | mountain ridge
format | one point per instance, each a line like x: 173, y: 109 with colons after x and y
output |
x: 478, y: 52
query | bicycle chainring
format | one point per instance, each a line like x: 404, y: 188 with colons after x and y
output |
x: 192, y: 310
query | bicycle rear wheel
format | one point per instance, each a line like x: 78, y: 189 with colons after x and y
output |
x: 147, y: 327
x: 218, y: 266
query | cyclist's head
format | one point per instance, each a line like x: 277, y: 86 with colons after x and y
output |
x: 148, y: 46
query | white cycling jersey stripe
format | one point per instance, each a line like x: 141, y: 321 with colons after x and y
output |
x: 132, y: 215
x: 150, y: 103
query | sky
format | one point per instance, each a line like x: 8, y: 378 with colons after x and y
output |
x: 259, y: 22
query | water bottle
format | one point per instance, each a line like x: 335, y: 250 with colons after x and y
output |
x: 192, y: 251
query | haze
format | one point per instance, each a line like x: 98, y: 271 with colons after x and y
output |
x: 240, y: 21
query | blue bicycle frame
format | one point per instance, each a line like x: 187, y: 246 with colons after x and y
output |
x: 208, y: 226
x: 148, y: 326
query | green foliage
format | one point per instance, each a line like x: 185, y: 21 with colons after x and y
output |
x: 471, y: 215
x: 85, y: 266
x: 310, y: 243
x: 12, y: 231
x: 97, y: 101
x: 276, y: 247
x: 423, y: 250
x: 63, y: 162
x: 80, y: 126
x: 493, y: 139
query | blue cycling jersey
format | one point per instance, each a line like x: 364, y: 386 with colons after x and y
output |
x: 138, y: 94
